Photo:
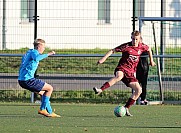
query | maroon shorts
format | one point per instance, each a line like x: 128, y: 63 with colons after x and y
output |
x: 128, y: 77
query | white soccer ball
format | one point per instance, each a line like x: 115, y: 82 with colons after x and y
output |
x: 119, y: 111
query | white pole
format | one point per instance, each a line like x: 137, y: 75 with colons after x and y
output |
x: 32, y: 97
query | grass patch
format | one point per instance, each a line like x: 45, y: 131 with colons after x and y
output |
x: 90, y: 118
x: 82, y: 65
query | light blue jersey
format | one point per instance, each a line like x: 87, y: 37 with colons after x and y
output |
x: 29, y: 64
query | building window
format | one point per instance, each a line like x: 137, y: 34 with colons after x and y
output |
x: 104, y: 11
x: 140, y: 8
x: 27, y: 10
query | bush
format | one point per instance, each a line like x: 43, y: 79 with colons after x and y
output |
x: 113, y: 96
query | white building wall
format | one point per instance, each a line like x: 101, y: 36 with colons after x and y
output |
x: 74, y: 24
x: 1, y: 20
x: 78, y: 26
x: 18, y: 34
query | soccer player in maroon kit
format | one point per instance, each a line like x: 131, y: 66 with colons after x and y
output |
x: 126, y: 68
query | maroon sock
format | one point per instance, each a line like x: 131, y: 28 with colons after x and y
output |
x: 129, y: 102
x: 105, y: 86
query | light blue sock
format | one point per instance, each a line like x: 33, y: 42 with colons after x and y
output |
x: 49, y: 108
x: 44, y: 102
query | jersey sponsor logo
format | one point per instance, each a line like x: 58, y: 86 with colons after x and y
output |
x: 133, y: 58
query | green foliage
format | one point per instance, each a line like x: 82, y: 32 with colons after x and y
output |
x: 80, y: 96
x: 15, y: 95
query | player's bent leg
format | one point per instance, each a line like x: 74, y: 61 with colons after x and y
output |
x: 112, y: 81
x: 48, y: 107
x: 105, y: 86
x: 48, y: 89
x: 118, y: 76
x: 45, y: 102
x: 137, y: 90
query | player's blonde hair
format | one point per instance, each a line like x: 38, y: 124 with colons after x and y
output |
x: 135, y: 33
x: 38, y: 42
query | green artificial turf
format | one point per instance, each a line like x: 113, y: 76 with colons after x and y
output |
x: 89, y: 118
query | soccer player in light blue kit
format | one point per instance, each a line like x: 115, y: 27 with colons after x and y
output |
x: 26, y: 78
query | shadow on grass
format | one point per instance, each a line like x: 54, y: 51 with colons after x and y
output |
x: 90, y: 116
x: 153, y: 127
x: 12, y: 115
x: 126, y: 126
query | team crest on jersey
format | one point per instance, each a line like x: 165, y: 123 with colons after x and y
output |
x: 139, y: 52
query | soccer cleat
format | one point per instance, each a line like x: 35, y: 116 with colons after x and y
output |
x: 53, y: 115
x: 142, y: 103
x: 43, y: 112
x: 145, y: 102
x: 97, y: 91
x: 127, y: 112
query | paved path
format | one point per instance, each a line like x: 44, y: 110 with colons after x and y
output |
x: 85, y: 82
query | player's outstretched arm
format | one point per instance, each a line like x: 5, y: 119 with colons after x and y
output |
x: 152, y: 63
x: 39, y: 57
x: 109, y: 53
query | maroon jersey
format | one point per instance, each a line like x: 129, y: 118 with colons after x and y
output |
x: 130, y: 56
